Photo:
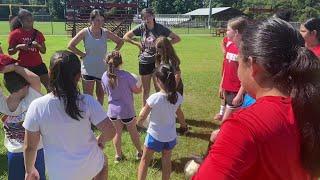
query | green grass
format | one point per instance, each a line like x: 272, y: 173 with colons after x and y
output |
x: 58, y: 28
x: 200, y: 64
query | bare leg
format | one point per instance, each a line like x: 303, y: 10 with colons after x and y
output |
x: 103, y: 174
x: 144, y: 163
x: 117, y: 138
x: 99, y: 92
x: 166, y: 164
x: 87, y: 87
x: 146, y: 80
x: 135, y: 137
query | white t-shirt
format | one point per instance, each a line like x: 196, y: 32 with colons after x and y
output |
x: 70, y: 146
x: 12, y: 121
x: 162, y: 125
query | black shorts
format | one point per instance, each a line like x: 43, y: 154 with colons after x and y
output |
x: 229, y: 96
x: 90, y: 78
x: 146, y: 69
x: 124, y: 121
x: 39, y: 70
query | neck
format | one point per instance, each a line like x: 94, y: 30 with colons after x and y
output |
x: 269, y: 92
x: 150, y: 26
x: 313, y: 44
x: 94, y: 28
x: 27, y: 28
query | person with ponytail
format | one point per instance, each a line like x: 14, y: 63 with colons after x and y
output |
x: 120, y: 85
x: 29, y: 43
x: 149, y: 30
x: 95, y: 38
x: 167, y: 55
x: 63, y: 119
x: 278, y: 137
x: 310, y: 31
x: 161, y: 133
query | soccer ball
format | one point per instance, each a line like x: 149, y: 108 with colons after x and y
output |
x: 190, y: 169
x: 138, y: 78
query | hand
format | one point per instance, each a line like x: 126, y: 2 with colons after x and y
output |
x: 140, y: 47
x: 22, y: 47
x: 35, y: 44
x: 33, y: 175
x: 139, y: 122
x: 8, y: 68
x: 83, y: 55
x: 100, y: 143
x: 221, y: 93
x: 237, y: 100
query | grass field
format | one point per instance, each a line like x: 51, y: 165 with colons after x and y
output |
x: 200, y: 65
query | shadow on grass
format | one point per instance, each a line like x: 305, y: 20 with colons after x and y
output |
x: 177, y: 164
x: 202, y: 123
x: 4, y: 163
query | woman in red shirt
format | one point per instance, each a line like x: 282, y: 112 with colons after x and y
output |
x: 277, y: 137
x: 29, y: 42
x: 310, y: 31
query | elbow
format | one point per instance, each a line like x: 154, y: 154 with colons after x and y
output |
x: 28, y: 148
x: 111, y: 134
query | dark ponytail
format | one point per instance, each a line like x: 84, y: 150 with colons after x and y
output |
x: 279, y: 48
x: 64, y: 69
x: 114, y: 60
x: 165, y: 74
x: 305, y: 73
x: 313, y: 24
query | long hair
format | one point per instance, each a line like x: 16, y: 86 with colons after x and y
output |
x: 165, y: 74
x: 279, y: 48
x: 114, y: 60
x: 313, y: 24
x: 168, y: 54
x: 15, y: 23
x: 64, y: 69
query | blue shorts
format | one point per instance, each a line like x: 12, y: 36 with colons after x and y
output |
x: 158, y: 146
x: 16, y: 165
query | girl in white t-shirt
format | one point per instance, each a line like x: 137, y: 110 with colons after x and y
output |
x: 161, y: 133
x: 63, y: 118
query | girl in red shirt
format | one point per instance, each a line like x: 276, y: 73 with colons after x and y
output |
x: 310, y: 31
x: 277, y: 137
x: 28, y: 41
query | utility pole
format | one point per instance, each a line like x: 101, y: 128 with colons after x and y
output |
x: 210, y: 12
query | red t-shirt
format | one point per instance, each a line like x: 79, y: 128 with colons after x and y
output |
x: 259, y: 142
x: 30, y: 57
x: 230, y: 80
x: 316, y: 50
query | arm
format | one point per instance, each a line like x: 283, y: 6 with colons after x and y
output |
x: 128, y: 38
x: 233, y: 152
x: 136, y: 89
x: 174, y: 38
x: 31, y: 141
x: 116, y: 39
x: 1, y: 52
x: 223, y: 46
x: 177, y: 77
x: 29, y: 76
x: 108, y: 132
x: 14, y: 49
x: 41, y: 47
x: 75, y: 41
x: 143, y: 114
x: 239, y: 97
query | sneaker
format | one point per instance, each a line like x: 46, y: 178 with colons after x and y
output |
x: 138, y: 156
x: 118, y: 159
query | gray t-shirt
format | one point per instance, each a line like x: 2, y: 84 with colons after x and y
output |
x: 148, y: 39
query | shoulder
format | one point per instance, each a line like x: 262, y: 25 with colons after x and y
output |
x: 15, y: 32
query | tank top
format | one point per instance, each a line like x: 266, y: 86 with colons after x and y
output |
x: 93, y: 63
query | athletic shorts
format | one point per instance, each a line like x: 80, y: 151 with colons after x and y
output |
x: 158, y: 146
x: 16, y: 168
x: 90, y: 78
x: 146, y: 69
x: 229, y: 96
x: 39, y: 70
x: 124, y: 121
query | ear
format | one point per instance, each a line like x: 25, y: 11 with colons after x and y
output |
x: 314, y: 33
x: 254, y: 67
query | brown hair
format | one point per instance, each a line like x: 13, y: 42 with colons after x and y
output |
x: 238, y: 23
x: 114, y: 60
x: 96, y: 12
x: 168, y: 55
